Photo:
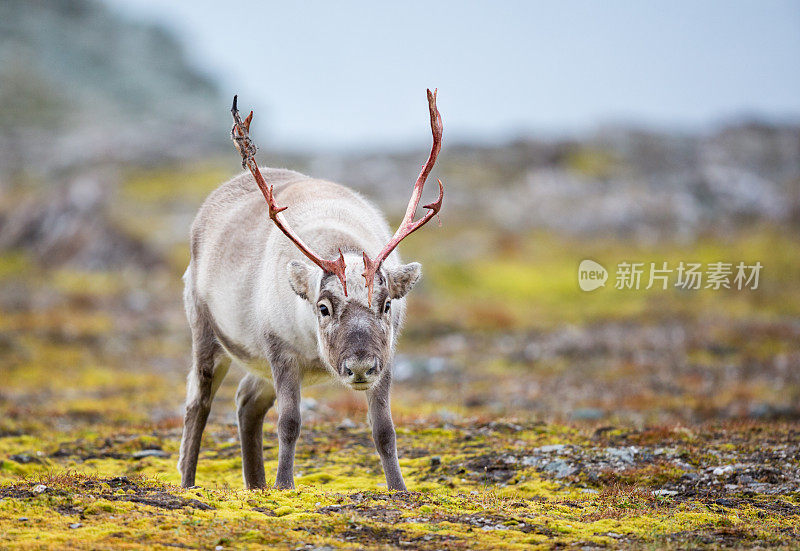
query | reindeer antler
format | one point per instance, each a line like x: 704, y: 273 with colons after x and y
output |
x: 408, y: 225
x: 240, y: 133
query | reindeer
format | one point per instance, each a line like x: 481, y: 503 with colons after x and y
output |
x: 258, y: 295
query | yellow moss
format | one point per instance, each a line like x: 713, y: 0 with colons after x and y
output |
x: 86, y: 283
x: 167, y: 184
x: 284, y: 510
x: 318, y: 478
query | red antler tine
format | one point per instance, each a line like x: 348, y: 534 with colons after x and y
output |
x: 408, y: 226
x: 247, y: 149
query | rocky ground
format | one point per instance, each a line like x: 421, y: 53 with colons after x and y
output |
x: 473, y: 484
x: 529, y: 413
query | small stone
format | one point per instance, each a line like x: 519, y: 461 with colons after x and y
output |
x: 436, y: 461
x: 560, y: 468
x: 665, y: 493
x: 22, y: 519
x: 39, y: 488
x: 550, y: 448
x: 24, y: 458
x: 586, y: 414
x: 149, y: 453
x: 719, y: 471
x: 624, y: 455
x: 218, y: 548
x: 447, y: 416
x: 346, y: 423
x: 308, y: 404
x: 75, y: 525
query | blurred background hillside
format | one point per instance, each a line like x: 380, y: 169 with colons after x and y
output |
x: 644, y: 133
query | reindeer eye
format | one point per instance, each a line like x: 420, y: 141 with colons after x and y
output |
x: 323, y: 309
x: 387, y: 306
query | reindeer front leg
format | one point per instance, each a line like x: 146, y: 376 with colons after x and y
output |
x: 287, y: 389
x: 383, y: 434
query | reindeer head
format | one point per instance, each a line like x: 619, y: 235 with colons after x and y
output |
x: 355, y: 330
x: 355, y: 335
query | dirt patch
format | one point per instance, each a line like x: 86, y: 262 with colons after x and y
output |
x: 134, y: 493
x: 369, y: 535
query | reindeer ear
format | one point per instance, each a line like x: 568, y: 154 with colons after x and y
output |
x: 300, y: 278
x: 402, y: 279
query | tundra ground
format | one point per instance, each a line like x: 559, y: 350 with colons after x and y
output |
x: 529, y: 413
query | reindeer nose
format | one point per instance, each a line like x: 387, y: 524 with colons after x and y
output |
x: 357, y: 369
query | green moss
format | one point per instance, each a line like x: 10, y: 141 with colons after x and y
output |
x: 14, y: 264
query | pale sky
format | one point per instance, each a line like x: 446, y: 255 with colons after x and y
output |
x: 347, y: 74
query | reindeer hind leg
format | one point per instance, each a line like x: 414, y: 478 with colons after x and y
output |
x: 209, y: 366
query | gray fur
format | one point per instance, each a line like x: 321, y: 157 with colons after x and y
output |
x: 401, y: 279
x: 251, y: 297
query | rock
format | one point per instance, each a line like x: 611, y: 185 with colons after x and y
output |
x: 39, y: 488
x: 346, y: 423
x: 436, y: 461
x: 24, y: 458
x: 665, y: 493
x: 560, y: 468
x: 551, y: 448
x: 586, y: 414
x: 308, y: 404
x: 625, y: 455
x: 720, y: 471
x: 447, y: 416
x: 417, y: 367
x: 75, y: 525
x: 149, y: 453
